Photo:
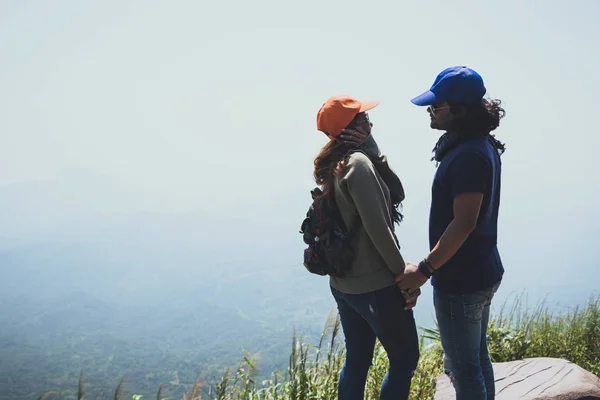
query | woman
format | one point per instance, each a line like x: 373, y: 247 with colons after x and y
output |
x: 369, y: 302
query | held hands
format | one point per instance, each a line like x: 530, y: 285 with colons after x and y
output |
x: 412, y: 279
x: 411, y: 298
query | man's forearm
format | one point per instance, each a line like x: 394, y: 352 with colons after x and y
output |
x: 452, y: 239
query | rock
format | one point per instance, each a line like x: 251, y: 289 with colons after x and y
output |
x: 535, y: 379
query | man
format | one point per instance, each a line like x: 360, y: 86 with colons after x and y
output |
x: 464, y: 263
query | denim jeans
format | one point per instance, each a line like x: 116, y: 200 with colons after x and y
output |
x: 379, y: 314
x: 463, y: 322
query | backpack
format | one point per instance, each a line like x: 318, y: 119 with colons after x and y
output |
x: 329, y: 250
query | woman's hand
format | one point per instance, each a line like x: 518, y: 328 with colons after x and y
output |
x: 353, y: 137
x: 411, y: 298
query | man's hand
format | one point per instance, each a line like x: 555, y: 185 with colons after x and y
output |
x: 412, y: 278
x: 353, y: 137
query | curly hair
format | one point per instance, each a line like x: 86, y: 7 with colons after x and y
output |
x: 480, y: 119
x: 329, y: 162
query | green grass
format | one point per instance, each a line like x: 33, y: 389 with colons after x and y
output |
x: 313, y: 370
x: 573, y: 334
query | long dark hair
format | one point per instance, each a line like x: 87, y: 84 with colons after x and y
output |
x: 331, y: 162
x: 480, y: 119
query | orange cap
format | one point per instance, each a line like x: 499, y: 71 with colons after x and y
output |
x: 338, y: 112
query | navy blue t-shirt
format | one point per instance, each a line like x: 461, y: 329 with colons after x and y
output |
x: 471, y: 166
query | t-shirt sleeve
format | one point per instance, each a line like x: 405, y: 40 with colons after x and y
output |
x: 469, y: 173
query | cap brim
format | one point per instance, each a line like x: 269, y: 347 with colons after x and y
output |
x: 426, y: 99
x: 368, y: 105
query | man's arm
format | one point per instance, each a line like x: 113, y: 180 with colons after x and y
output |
x: 469, y: 175
x: 466, y: 211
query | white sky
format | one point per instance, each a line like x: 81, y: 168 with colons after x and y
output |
x: 190, y: 104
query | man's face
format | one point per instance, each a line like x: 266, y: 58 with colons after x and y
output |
x: 441, y: 116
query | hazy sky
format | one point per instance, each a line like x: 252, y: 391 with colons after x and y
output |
x: 190, y: 105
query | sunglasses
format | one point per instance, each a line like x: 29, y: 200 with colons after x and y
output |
x: 432, y: 109
x: 362, y: 121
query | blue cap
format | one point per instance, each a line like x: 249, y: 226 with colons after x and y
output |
x: 457, y: 84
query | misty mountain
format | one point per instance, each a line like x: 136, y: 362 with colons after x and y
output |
x: 110, y: 292
x: 162, y: 296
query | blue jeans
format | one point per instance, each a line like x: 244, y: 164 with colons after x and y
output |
x: 463, y: 322
x: 379, y: 314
